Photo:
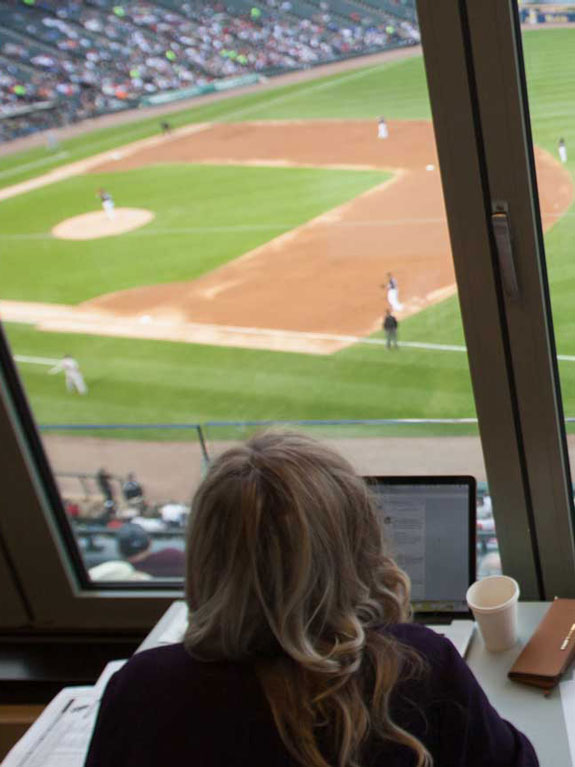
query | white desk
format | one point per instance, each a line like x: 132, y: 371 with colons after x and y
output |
x: 539, y: 717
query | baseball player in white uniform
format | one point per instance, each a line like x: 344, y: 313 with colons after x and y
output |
x: 562, y: 150
x: 107, y: 203
x: 393, y: 293
x: 74, y: 378
x: 382, y: 129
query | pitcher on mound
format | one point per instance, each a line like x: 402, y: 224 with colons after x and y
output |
x: 107, y: 203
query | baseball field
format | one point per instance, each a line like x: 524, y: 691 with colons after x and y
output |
x: 241, y: 278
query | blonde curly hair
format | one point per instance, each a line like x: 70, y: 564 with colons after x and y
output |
x: 288, y: 569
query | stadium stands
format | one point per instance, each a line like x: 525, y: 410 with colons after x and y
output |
x: 64, y: 60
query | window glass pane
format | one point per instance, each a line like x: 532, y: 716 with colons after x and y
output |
x: 548, y: 45
x: 232, y: 264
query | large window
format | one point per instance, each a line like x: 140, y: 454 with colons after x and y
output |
x: 262, y: 240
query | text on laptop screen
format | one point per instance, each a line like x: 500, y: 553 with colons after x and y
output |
x: 428, y: 529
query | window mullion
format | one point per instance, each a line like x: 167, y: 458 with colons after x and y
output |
x: 510, y: 167
x: 458, y: 137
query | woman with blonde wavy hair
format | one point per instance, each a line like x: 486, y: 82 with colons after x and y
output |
x: 299, y: 649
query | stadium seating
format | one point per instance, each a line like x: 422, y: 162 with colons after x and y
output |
x: 69, y: 59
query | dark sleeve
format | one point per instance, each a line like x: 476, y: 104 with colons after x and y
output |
x: 472, y: 734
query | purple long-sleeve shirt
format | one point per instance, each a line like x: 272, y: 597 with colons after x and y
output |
x: 165, y: 708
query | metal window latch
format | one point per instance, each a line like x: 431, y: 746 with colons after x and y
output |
x: 502, y: 234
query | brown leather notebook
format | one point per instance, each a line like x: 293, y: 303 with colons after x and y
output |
x: 550, y: 650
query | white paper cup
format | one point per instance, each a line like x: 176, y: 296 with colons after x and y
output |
x: 493, y: 601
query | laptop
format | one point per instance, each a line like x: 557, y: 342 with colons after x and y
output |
x: 430, y: 525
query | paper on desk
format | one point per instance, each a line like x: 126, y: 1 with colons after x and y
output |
x: 568, y: 704
x: 61, y: 734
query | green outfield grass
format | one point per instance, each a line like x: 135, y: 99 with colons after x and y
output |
x: 133, y: 381
x: 139, y: 381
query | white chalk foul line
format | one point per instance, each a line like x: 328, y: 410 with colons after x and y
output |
x: 444, y: 347
x: 34, y: 164
x: 36, y: 360
x: 348, y: 339
x: 280, y: 334
x: 298, y: 334
x: 430, y: 347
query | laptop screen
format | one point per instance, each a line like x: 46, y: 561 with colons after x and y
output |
x: 430, y: 525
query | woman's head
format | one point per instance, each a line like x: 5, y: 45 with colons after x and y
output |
x: 285, y: 549
x: 287, y: 568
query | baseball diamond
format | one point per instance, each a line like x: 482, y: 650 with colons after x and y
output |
x: 277, y: 215
x: 333, y: 263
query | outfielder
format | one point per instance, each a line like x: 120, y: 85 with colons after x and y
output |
x: 74, y: 378
x: 562, y: 150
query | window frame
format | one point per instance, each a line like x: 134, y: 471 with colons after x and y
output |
x: 15, y: 610
x: 510, y: 162
x: 39, y: 547
x: 486, y: 155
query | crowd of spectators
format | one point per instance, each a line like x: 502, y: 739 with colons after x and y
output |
x: 121, y: 534
x: 87, y: 57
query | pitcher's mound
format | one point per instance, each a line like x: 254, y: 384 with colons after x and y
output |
x: 90, y: 226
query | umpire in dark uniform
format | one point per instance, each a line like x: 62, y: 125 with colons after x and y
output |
x: 390, y: 325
